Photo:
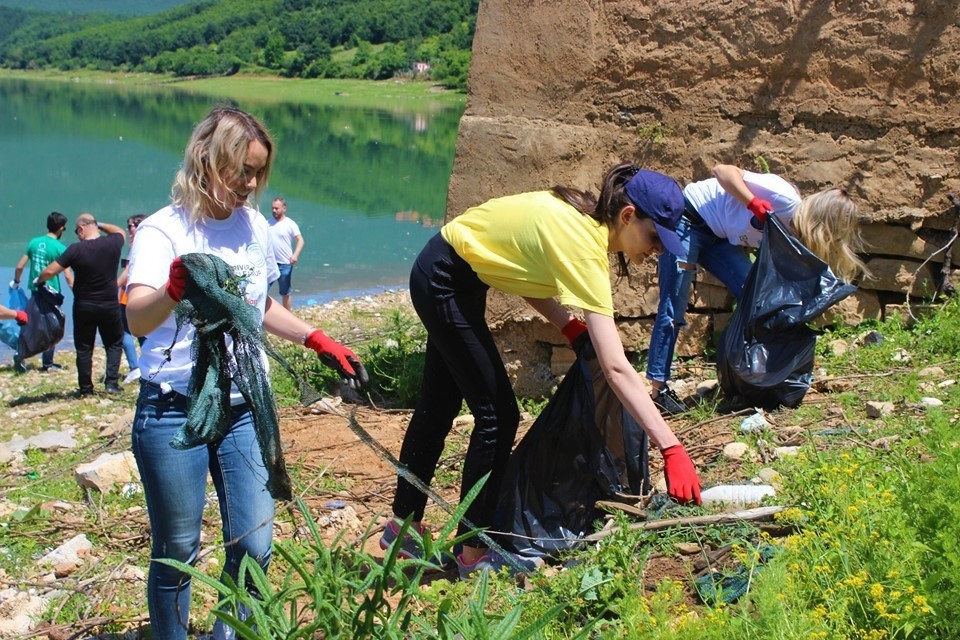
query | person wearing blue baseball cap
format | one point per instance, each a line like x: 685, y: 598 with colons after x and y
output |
x: 551, y: 248
x: 722, y: 220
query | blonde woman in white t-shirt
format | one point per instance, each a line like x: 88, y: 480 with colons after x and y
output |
x: 227, y: 160
x: 723, y: 218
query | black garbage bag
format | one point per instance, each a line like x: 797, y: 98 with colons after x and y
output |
x: 583, y: 447
x: 766, y: 352
x: 45, y: 323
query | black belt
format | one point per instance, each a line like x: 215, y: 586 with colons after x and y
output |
x: 695, y: 219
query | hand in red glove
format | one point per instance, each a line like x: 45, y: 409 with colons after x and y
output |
x: 573, y: 331
x: 177, y: 280
x: 683, y: 484
x: 760, y: 209
x: 338, y: 357
x: 21, y: 318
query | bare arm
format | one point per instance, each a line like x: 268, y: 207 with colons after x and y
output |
x: 625, y: 381
x: 68, y: 274
x: 552, y: 310
x: 106, y: 227
x: 297, y: 250
x: 7, y: 314
x: 53, y: 269
x: 278, y: 321
x: 18, y: 271
x: 147, y: 308
x: 731, y: 181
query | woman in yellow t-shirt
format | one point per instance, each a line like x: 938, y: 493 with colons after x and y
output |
x: 551, y: 248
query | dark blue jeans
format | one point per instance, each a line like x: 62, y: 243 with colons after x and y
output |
x: 462, y: 363
x: 175, y: 485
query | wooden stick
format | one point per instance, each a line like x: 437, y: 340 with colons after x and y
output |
x: 760, y: 513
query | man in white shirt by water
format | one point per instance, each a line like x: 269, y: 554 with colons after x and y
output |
x: 284, y: 232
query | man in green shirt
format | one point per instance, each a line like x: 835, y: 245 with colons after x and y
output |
x: 40, y: 252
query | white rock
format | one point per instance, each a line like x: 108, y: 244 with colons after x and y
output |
x: 736, y: 450
x: 70, y: 551
x: 783, y: 452
x: 109, y: 468
x: 769, y: 475
x: 929, y: 403
x: 839, y: 347
x: 18, y: 612
x: 876, y: 409
x: 53, y: 440
x: 931, y: 372
x: 708, y: 388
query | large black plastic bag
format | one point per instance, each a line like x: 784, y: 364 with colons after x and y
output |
x: 766, y: 353
x: 9, y: 329
x: 45, y: 323
x: 583, y: 447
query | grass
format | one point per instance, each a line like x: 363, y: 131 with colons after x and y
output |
x: 866, y: 548
x: 395, y: 94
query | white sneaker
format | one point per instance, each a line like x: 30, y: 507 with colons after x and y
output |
x: 133, y: 375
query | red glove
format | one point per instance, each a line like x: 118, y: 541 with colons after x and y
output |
x: 759, y: 208
x: 683, y: 484
x: 21, y: 318
x: 338, y: 357
x: 573, y: 330
x: 177, y: 281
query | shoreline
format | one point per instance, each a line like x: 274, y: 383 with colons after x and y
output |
x: 365, y: 300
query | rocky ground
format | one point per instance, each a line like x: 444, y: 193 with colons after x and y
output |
x: 95, y: 526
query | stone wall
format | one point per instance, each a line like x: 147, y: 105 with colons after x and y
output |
x: 860, y: 94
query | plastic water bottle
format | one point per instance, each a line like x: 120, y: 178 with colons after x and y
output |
x: 737, y: 494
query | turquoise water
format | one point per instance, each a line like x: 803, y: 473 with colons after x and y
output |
x: 367, y: 186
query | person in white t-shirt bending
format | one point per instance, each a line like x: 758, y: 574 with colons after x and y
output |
x: 723, y: 218
x: 284, y: 233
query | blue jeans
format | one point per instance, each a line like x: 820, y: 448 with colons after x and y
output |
x: 175, y: 481
x: 130, y: 351
x: 283, y: 282
x: 129, y: 342
x: 729, y: 263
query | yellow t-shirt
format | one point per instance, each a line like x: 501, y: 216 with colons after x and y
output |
x: 537, y: 246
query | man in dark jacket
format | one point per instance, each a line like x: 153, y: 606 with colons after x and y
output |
x: 96, y: 308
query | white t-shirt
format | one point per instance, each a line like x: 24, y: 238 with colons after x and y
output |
x: 242, y: 241
x: 282, y: 234
x: 728, y: 218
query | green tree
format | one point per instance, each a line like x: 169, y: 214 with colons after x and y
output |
x: 273, y: 52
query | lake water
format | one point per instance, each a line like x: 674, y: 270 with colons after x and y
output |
x: 367, y: 186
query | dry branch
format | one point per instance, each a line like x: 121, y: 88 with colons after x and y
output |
x: 760, y: 513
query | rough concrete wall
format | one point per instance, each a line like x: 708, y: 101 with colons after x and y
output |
x: 860, y: 94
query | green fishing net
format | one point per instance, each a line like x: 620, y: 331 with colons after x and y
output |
x: 212, y: 302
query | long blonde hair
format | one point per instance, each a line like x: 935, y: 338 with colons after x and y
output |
x: 215, y: 156
x: 827, y: 223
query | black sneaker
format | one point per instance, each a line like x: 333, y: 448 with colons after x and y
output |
x: 668, y: 402
x: 51, y: 368
x: 113, y: 389
x: 18, y: 365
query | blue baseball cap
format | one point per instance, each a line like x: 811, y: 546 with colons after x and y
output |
x: 659, y: 198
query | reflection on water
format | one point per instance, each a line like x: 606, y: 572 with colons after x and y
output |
x: 366, y: 186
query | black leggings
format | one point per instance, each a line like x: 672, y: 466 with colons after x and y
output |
x: 462, y: 363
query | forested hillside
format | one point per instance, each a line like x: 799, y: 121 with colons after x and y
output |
x: 373, y: 39
x: 115, y: 7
